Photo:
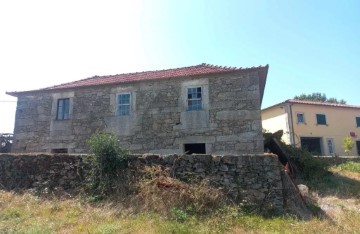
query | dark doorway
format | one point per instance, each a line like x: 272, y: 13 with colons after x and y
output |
x: 358, y: 147
x: 311, y: 144
x: 198, y: 148
x: 59, y: 151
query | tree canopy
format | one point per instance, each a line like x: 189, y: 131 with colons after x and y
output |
x: 319, y: 97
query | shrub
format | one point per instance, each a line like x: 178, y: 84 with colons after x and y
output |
x: 348, y: 144
x: 107, y: 158
x: 307, y: 166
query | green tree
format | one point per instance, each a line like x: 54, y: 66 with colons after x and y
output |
x: 319, y: 97
x: 348, y: 144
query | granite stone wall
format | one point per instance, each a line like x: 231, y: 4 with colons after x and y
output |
x: 229, y: 123
x: 25, y: 171
x: 253, y: 179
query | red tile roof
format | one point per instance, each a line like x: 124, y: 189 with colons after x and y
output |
x: 320, y: 103
x: 305, y: 102
x: 201, y: 69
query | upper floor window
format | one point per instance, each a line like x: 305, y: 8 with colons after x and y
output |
x: 194, y: 99
x: 357, y: 121
x: 63, y: 108
x: 300, y: 118
x: 320, y: 119
x: 123, y: 101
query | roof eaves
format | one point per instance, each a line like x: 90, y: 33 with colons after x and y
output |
x: 300, y: 102
x: 263, y: 69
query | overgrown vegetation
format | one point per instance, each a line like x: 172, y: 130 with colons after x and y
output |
x: 305, y: 165
x: 105, y: 164
x: 158, y: 192
x: 302, y: 163
x: 26, y: 213
x: 159, y: 203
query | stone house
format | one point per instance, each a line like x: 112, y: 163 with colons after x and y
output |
x: 197, y: 109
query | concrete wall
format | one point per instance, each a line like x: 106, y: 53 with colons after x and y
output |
x: 251, y: 179
x: 229, y: 122
x: 276, y: 119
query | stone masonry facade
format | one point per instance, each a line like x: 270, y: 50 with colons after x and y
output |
x: 229, y: 121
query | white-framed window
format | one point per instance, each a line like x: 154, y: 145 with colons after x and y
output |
x: 194, y: 98
x: 63, y: 109
x: 300, y: 118
x: 123, y: 104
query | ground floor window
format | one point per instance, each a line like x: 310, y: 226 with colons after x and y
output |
x: 312, y: 144
x: 196, y: 148
x: 358, y: 147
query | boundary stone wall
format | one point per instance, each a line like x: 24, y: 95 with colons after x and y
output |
x: 253, y: 179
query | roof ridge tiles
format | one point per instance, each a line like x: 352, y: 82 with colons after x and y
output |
x: 320, y: 103
x: 200, y: 69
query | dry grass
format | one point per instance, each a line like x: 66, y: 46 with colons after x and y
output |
x: 159, y: 192
x: 158, y: 195
x: 28, y: 214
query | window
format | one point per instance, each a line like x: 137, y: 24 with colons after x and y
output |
x: 300, y: 118
x: 357, y: 121
x: 63, y: 109
x: 123, y: 101
x: 320, y: 119
x: 197, y: 148
x: 194, y: 100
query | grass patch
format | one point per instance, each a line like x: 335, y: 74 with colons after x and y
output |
x: 342, y: 181
x: 39, y: 216
x: 349, y: 166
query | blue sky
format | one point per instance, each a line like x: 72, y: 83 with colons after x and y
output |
x: 311, y: 46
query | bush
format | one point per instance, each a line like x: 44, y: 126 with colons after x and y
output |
x: 307, y: 166
x: 348, y: 144
x: 106, y: 160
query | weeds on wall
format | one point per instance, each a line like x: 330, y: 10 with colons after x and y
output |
x: 106, y: 161
x: 157, y: 191
x: 303, y: 163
